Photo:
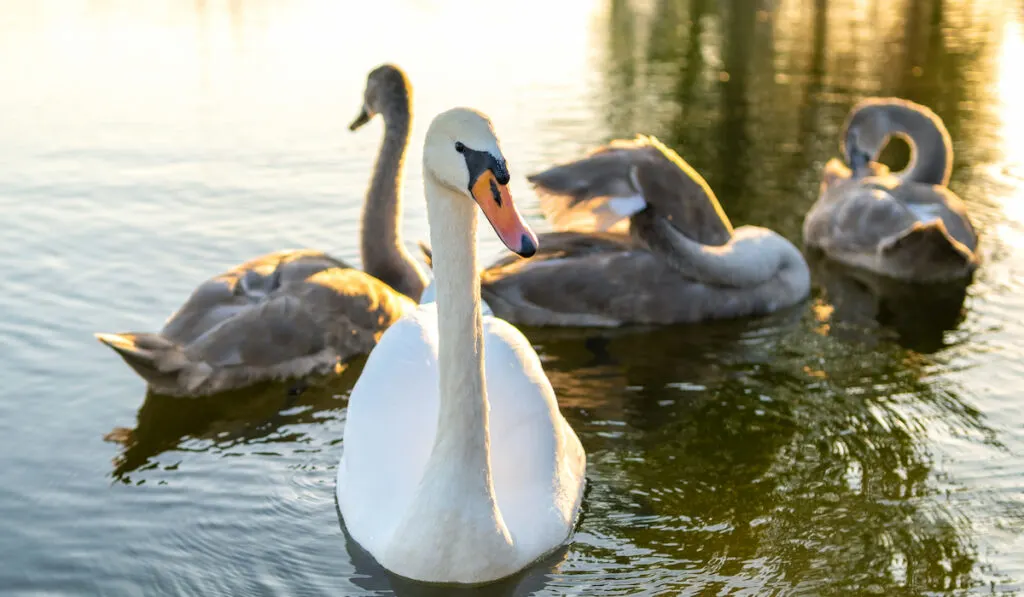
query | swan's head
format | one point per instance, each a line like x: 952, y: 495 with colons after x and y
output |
x: 865, y: 133
x: 387, y: 92
x: 461, y: 153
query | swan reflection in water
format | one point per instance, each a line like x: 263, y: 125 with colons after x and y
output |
x: 859, y: 303
x: 166, y: 423
x: 372, y: 576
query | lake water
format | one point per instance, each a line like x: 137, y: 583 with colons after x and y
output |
x: 868, y: 442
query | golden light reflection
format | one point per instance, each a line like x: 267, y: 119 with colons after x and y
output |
x: 229, y: 79
x: 1010, y: 90
x: 815, y: 373
x: 823, y: 316
x: 823, y: 312
x: 138, y: 52
x: 1011, y: 95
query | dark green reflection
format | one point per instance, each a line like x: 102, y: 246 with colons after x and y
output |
x: 784, y: 461
x: 753, y: 97
x: 789, y: 454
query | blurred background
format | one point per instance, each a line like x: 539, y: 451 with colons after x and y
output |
x: 870, y: 442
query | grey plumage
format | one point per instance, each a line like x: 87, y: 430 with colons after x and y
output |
x: 602, y: 268
x: 293, y: 313
x: 907, y: 225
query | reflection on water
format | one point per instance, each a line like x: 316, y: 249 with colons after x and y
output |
x: 373, y: 577
x: 854, y: 303
x: 787, y: 462
x: 218, y: 423
x: 870, y: 441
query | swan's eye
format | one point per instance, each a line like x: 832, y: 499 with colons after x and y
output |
x: 459, y: 147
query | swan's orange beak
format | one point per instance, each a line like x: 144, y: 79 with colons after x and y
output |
x: 496, y: 203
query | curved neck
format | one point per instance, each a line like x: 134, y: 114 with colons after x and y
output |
x: 384, y: 256
x: 931, y: 150
x: 747, y: 260
x: 461, y: 450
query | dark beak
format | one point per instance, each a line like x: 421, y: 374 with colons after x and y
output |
x: 859, y: 163
x: 857, y: 159
x: 363, y: 118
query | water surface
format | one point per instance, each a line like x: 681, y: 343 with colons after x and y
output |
x: 869, y: 442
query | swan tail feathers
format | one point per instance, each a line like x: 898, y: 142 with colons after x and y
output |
x: 929, y: 243
x: 152, y: 356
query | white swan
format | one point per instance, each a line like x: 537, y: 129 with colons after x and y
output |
x: 445, y: 477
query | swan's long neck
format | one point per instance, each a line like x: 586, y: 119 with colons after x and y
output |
x: 752, y: 257
x: 384, y: 256
x: 453, y: 530
x: 931, y: 150
x: 462, y: 444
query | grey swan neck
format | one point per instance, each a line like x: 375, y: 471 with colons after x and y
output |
x: 383, y: 252
x: 931, y: 149
x: 750, y: 258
